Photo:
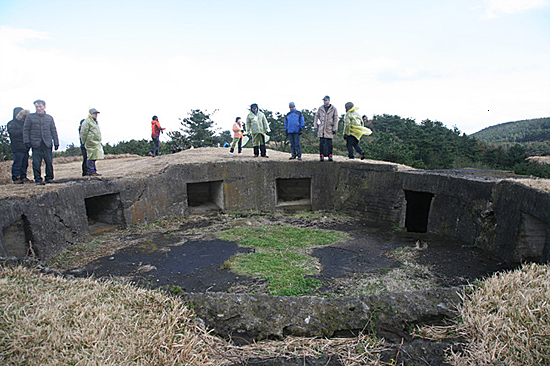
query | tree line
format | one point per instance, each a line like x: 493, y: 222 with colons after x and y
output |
x: 425, y: 145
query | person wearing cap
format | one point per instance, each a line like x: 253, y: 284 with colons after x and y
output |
x: 18, y: 149
x: 40, y: 134
x: 294, y: 124
x: 83, y: 151
x: 257, y: 125
x: 353, y: 130
x: 326, y: 124
x: 237, y: 136
x: 156, y: 130
x: 90, y: 135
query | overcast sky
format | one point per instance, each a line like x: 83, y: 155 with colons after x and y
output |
x: 466, y: 63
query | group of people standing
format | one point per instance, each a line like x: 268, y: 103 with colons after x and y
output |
x: 325, y: 123
x: 37, y: 131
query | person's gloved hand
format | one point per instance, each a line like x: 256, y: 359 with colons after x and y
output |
x: 345, y: 137
x: 299, y: 133
x: 56, y: 147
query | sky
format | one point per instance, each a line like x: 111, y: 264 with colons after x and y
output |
x: 466, y: 63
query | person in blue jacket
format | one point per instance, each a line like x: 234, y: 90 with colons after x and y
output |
x: 294, y: 124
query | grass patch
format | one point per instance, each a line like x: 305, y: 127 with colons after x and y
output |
x: 47, y: 320
x: 281, y: 256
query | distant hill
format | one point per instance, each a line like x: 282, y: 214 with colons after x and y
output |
x: 533, y: 134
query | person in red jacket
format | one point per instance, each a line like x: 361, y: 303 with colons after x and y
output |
x: 156, y: 130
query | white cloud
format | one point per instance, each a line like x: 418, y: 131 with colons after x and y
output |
x: 498, y: 8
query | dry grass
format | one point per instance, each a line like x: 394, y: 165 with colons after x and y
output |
x: 48, y: 320
x: 505, y: 320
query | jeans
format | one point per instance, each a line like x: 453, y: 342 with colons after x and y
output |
x: 84, y: 160
x: 156, y: 141
x: 295, y: 148
x: 325, y: 146
x: 20, y: 165
x: 39, y: 154
x: 353, y: 143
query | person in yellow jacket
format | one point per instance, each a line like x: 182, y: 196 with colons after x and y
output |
x: 353, y: 130
x: 90, y: 135
x: 257, y: 124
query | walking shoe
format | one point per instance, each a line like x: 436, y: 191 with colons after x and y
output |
x: 150, y: 154
x: 49, y: 181
x: 300, y: 158
x: 25, y: 180
x: 292, y: 157
x: 256, y: 156
x: 362, y: 156
x: 351, y: 157
x: 41, y: 183
x: 95, y: 175
x: 330, y: 158
x: 322, y: 158
x: 231, y: 152
x: 18, y: 182
x: 265, y: 156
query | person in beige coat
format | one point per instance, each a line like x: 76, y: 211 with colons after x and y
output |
x: 326, y: 124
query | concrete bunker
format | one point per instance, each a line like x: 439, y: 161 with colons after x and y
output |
x: 531, y: 238
x: 417, y: 211
x: 205, y: 197
x: 293, y: 193
x: 17, y: 238
x: 103, y: 212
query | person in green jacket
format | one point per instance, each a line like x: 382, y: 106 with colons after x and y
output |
x: 256, y: 123
x: 353, y: 130
x: 90, y: 135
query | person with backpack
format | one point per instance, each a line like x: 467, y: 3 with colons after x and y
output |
x: 294, y: 124
x: 156, y: 130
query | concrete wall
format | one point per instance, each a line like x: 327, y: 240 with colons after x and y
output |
x: 506, y: 218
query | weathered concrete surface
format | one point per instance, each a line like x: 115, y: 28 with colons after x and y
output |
x: 247, y: 318
x: 480, y: 208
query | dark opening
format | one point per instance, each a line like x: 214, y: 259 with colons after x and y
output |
x: 17, y: 239
x: 418, y: 210
x: 205, y: 196
x: 531, y: 239
x: 294, y: 193
x: 104, y: 212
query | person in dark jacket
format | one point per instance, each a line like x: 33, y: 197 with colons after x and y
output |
x: 294, y: 124
x: 83, y: 151
x: 19, y: 151
x: 40, y: 134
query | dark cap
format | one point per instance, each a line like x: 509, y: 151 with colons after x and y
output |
x: 93, y: 110
x: 326, y: 97
x: 349, y: 105
x: 253, y: 105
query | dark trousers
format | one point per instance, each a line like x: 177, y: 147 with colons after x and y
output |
x: 84, y: 160
x: 19, y: 166
x: 295, y: 148
x: 353, y: 143
x: 237, y: 141
x: 39, y: 154
x: 261, y: 149
x: 91, y: 167
x: 325, y: 146
x: 156, y: 141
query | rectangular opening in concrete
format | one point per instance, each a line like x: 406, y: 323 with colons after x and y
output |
x: 530, y: 239
x: 418, y: 211
x: 294, y: 193
x: 205, y: 197
x: 104, y: 212
x: 17, y: 239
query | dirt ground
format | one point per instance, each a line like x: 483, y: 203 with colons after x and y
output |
x: 191, y: 258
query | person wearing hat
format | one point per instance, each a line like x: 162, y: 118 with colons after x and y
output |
x: 326, y: 124
x: 90, y: 135
x: 40, y: 134
x: 256, y: 123
x: 156, y: 130
x: 294, y: 124
x: 353, y: 130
